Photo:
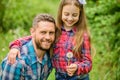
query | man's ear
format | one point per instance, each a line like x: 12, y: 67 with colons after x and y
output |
x: 32, y: 30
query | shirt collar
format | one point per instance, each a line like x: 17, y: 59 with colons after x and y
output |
x: 33, y: 56
x: 74, y: 29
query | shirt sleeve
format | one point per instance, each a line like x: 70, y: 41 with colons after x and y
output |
x: 85, y: 64
x: 19, y: 42
x: 11, y: 72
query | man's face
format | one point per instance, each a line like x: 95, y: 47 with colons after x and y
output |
x: 44, y: 35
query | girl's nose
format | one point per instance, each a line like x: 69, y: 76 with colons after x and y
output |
x: 70, y: 18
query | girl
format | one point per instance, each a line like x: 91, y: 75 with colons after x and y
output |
x: 72, y: 50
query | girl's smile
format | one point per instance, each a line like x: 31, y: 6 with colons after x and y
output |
x: 70, y: 16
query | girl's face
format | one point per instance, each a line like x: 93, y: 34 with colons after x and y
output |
x: 70, y: 15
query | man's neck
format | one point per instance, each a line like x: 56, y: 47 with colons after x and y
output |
x: 39, y: 53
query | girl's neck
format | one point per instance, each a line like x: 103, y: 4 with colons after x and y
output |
x: 68, y: 28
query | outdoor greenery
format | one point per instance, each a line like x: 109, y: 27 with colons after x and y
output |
x: 103, y: 20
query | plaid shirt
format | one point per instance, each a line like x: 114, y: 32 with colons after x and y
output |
x: 61, y: 48
x: 64, y: 45
x: 28, y: 67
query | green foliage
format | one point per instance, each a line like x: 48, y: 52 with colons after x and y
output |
x: 103, y: 18
x: 2, y: 10
x: 104, y: 21
x: 6, y: 38
x: 20, y: 13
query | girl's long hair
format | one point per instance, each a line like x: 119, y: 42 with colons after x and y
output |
x: 81, y: 25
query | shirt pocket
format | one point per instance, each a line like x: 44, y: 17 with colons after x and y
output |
x: 32, y: 74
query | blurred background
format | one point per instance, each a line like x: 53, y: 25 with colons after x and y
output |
x: 103, y: 20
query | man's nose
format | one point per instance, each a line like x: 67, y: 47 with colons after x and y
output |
x: 47, y: 36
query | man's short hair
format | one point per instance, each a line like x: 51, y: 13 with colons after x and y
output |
x: 42, y: 17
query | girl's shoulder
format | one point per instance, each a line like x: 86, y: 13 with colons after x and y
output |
x: 86, y: 35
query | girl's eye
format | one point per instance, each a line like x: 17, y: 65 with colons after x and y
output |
x: 66, y: 14
x: 75, y: 15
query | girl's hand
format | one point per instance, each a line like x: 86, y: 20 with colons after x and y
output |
x: 71, y: 69
x: 13, y: 53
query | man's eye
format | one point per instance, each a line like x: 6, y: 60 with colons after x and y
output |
x: 43, y: 32
x: 52, y: 33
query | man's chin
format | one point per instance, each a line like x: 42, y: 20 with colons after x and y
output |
x: 44, y: 49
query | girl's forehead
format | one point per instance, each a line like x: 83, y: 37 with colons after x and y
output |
x: 72, y: 3
x: 70, y: 7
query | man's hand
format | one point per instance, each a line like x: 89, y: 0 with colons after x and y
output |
x: 13, y: 53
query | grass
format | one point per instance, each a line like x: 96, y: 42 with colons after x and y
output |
x: 100, y: 71
x: 6, y: 38
x: 102, y: 67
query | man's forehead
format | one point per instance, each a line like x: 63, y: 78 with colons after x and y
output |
x: 46, y: 25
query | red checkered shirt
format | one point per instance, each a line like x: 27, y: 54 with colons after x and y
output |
x: 64, y: 45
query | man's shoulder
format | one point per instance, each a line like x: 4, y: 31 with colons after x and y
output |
x: 5, y: 65
x: 27, y: 52
x: 8, y: 71
x: 25, y: 49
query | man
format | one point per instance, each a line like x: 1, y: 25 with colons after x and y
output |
x: 35, y: 61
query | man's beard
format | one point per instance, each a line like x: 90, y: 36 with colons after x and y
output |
x: 38, y: 46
